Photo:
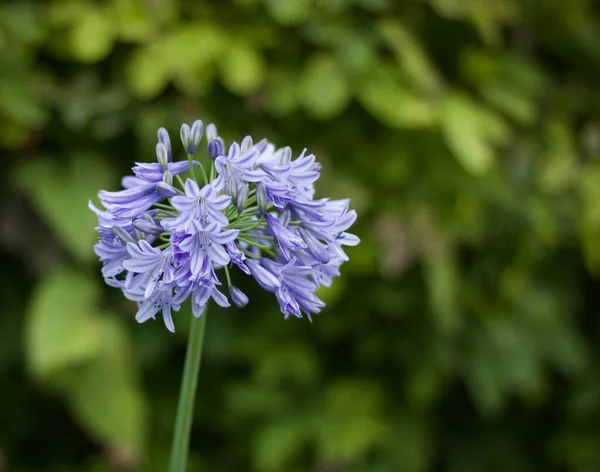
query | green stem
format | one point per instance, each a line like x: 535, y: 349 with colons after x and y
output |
x: 187, y: 395
x: 164, y: 207
x: 190, y: 160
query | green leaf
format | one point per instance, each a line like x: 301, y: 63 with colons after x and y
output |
x: 61, y: 327
x: 106, y: 396
x: 412, y: 59
x: 92, y: 36
x: 557, y: 167
x: 323, y: 89
x: 290, y: 12
x: 18, y: 103
x: 242, y: 69
x: 442, y: 278
x: 589, y: 217
x: 60, y: 192
x: 351, y: 424
x: 147, y: 73
x: 276, y: 444
x: 133, y: 21
x: 471, y: 132
x: 282, y: 91
x: 391, y: 102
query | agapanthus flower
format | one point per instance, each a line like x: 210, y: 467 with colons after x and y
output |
x: 172, y: 232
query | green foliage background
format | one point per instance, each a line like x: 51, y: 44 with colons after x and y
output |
x: 463, y: 334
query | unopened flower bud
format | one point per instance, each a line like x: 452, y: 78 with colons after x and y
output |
x: 168, y: 178
x: 163, y: 137
x: 166, y: 190
x: 146, y: 224
x: 123, y: 235
x: 211, y: 131
x: 261, y: 197
x: 185, y: 134
x: 285, y: 217
x: 232, y: 189
x: 196, y: 137
x: 162, y: 155
x: 240, y: 299
x: 216, y: 147
x: 242, y: 198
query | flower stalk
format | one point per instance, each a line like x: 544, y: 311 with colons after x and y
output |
x: 187, y: 396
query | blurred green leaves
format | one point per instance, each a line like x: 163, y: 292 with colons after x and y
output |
x: 392, y: 102
x: 92, y: 36
x: 60, y: 191
x: 471, y: 132
x: 464, y: 325
x: 63, y: 328
x: 84, y: 354
x: 242, y: 69
x: 323, y: 89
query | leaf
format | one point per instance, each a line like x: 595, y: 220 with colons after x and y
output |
x: 242, y: 69
x: 470, y: 132
x: 290, y: 12
x: 589, y: 217
x: 441, y: 277
x: 557, y: 166
x: 386, y: 98
x: 106, y: 396
x: 508, y: 82
x: 147, y: 73
x: 92, y: 36
x: 276, y: 444
x: 323, y: 89
x: 61, y: 193
x: 61, y: 327
x: 351, y: 423
x: 133, y: 21
x: 411, y: 57
x: 282, y: 92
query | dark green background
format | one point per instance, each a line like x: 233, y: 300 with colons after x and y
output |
x: 463, y: 334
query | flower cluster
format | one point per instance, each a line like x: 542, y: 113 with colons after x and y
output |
x: 174, y: 227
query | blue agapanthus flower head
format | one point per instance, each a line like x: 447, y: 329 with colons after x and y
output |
x: 174, y: 230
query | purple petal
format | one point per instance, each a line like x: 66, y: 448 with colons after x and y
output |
x: 264, y: 278
x: 218, y: 254
x: 225, y: 236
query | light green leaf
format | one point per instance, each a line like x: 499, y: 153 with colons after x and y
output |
x: 441, y: 278
x: 282, y: 92
x: 558, y: 163
x: 133, y: 20
x: 351, y: 424
x: 92, y: 36
x: 277, y: 443
x: 289, y: 12
x: 147, y: 73
x: 60, y: 192
x: 323, y: 89
x: 390, y: 101
x: 589, y: 223
x: 61, y: 327
x: 242, y: 69
x: 471, y: 132
x: 412, y: 59
x: 18, y: 103
x: 106, y: 396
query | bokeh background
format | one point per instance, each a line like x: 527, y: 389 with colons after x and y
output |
x: 464, y: 332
